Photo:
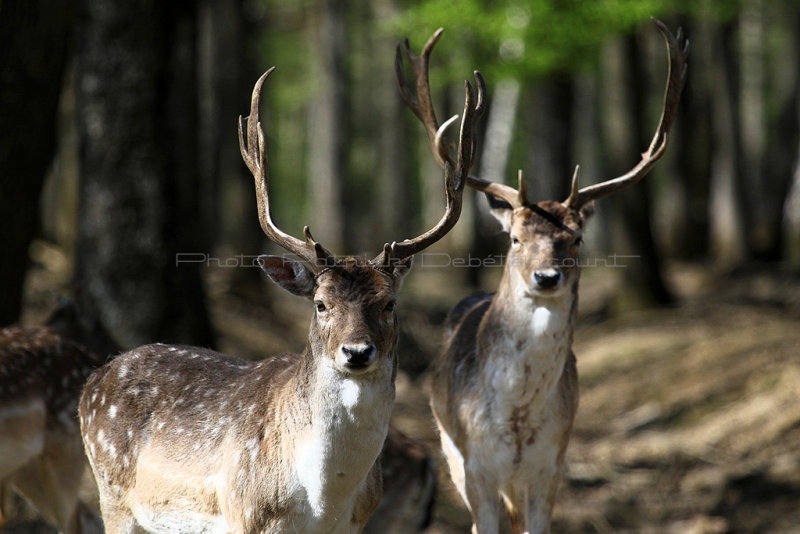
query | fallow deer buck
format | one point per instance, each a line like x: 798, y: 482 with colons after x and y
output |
x: 505, y: 389
x: 187, y: 440
x: 42, y: 371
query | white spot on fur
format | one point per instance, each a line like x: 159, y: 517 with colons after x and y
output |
x: 310, y: 456
x: 351, y: 393
x: 540, y: 322
x: 112, y: 411
x: 174, y: 521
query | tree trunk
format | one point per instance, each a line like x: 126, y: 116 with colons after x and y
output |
x: 227, y: 74
x: 498, y: 139
x: 328, y: 129
x: 688, y: 232
x: 630, y: 209
x: 137, y: 124
x: 729, y: 217
x: 550, y: 160
x: 783, y: 135
x: 34, y: 43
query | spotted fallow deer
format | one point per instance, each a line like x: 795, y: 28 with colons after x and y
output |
x: 504, y: 391
x: 187, y: 440
x: 42, y: 371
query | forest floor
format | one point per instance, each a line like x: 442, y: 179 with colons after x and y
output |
x: 689, y: 419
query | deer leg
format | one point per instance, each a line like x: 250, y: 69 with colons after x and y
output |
x: 51, y: 481
x: 538, y: 514
x: 483, y: 503
x: 455, y: 461
x: 516, y: 504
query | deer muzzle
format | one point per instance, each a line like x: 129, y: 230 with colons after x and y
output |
x: 357, y: 356
x: 547, y: 279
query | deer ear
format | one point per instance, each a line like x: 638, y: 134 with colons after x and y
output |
x: 587, y: 210
x: 291, y: 275
x: 501, y: 210
x: 400, y: 270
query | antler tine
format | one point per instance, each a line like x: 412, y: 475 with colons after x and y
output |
x: 676, y: 74
x: 455, y: 173
x: 254, y: 154
x: 422, y: 104
x: 503, y: 191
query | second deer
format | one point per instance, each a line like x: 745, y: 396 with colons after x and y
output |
x: 505, y: 387
x: 184, y: 439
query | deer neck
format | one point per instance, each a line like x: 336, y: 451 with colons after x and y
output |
x: 346, y: 422
x: 525, y: 338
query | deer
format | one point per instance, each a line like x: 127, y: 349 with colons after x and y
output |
x: 185, y: 439
x: 42, y: 371
x: 504, y: 389
x: 409, y: 487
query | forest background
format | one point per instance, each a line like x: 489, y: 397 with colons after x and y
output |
x: 120, y: 172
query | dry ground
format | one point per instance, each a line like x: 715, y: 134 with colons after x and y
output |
x: 689, y: 419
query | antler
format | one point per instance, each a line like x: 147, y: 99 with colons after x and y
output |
x: 678, y: 50
x: 515, y: 197
x: 254, y: 153
x: 455, y: 171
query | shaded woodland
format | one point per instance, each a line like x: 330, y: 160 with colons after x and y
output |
x: 125, y: 153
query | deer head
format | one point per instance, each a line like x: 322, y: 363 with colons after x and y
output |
x: 354, y: 298
x: 546, y: 236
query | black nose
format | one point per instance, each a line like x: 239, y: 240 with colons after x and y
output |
x: 547, y: 279
x: 358, y: 355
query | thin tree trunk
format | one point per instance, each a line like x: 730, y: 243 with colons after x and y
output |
x: 728, y: 214
x: 630, y: 209
x: 498, y: 138
x: 35, y: 39
x: 137, y: 123
x: 328, y: 128
x: 780, y: 158
x: 228, y: 72
x: 689, y: 222
x: 550, y: 158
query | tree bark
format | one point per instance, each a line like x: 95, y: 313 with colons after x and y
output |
x: 550, y: 158
x: 137, y: 123
x: 328, y: 129
x: 783, y: 135
x: 729, y: 217
x: 35, y: 37
x: 630, y: 209
x: 689, y: 224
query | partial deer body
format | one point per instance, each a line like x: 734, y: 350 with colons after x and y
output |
x: 188, y: 440
x: 41, y: 456
x: 409, y: 487
x: 505, y: 390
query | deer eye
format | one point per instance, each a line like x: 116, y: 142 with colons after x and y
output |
x: 389, y: 306
x: 514, y: 240
x: 320, y: 306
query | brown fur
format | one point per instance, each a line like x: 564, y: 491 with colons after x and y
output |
x: 184, y: 417
x: 41, y: 375
x: 490, y: 333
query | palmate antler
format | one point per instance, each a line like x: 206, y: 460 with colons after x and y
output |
x: 678, y: 50
x: 455, y: 170
x: 254, y: 152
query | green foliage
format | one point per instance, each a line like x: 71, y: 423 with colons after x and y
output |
x: 535, y: 38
